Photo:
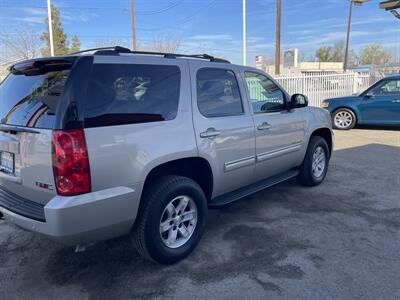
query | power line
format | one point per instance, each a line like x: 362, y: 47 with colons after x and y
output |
x: 144, y: 13
x: 161, y: 10
x: 184, y: 20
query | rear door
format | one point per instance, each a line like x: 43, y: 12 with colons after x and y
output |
x: 223, y: 125
x: 29, y: 97
x: 280, y: 134
x: 382, y: 103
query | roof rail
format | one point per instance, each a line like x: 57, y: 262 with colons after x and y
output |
x: 118, y: 49
x: 112, y: 48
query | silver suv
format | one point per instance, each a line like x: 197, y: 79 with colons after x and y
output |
x: 111, y: 142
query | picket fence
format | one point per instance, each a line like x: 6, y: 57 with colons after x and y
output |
x: 322, y: 86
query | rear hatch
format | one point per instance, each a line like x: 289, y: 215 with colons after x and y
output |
x: 29, y: 100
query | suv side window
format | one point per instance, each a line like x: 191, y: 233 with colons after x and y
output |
x: 386, y: 88
x: 132, y: 93
x: 218, y: 93
x: 264, y: 94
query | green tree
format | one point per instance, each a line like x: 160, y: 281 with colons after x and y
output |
x: 60, y: 40
x: 333, y: 53
x: 374, y: 54
x: 323, y: 54
x: 75, y: 44
x: 338, y: 52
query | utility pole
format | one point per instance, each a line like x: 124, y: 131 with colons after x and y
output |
x: 50, y: 28
x: 278, y: 38
x: 133, y: 27
x: 244, y: 34
x: 346, y: 51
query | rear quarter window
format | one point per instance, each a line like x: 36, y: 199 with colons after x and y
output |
x: 132, y: 93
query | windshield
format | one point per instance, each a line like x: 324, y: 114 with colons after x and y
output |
x: 31, y: 101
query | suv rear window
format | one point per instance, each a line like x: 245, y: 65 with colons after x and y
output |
x: 31, y: 100
x: 132, y: 93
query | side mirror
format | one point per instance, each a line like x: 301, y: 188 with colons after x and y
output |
x: 298, y: 101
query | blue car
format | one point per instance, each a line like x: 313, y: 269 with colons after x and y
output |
x: 378, y: 105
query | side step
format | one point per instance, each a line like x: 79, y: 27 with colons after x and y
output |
x: 251, y: 189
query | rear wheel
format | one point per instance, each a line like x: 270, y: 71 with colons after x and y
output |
x: 171, y: 220
x: 315, y: 165
x: 344, y: 119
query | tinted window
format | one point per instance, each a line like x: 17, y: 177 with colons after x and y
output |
x: 127, y: 94
x: 31, y: 101
x: 386, y: 87
x: 218, y: 93
x: 264, y: 94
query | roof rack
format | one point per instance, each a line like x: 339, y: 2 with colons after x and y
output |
x: 116, y: 50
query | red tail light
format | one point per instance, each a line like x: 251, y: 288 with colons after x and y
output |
x: 70, y: 163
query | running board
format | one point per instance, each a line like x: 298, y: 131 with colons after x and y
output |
x: 251, y: 189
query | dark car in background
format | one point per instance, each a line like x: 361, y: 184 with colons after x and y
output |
x: 378, y: 105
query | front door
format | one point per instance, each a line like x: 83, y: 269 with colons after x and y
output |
x: 381, y: 104
x: 223, y: 125
x: 280, y: 134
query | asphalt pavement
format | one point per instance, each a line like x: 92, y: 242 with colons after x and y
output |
x: 340, y: 240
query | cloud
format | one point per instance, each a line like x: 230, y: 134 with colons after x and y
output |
x: 365, y: 21
x: 326, y: 38
x: 212, y: 37
x: 33, y: 11
x: 30, y: 20
x: 33, y: 15
x: 78, y: 17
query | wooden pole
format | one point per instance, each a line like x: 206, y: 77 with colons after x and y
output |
x: 278, y: 38
x: 133, y: 26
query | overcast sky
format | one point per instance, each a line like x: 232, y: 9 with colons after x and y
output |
x: 213, y: 26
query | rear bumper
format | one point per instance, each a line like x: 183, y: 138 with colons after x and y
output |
x: 84, y: 218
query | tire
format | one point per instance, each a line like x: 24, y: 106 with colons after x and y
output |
x: 160, y: 194
x: 344, y: 119
x: 308, y: 175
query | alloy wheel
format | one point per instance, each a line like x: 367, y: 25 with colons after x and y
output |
x: 318, y: 162
x: 178, y: 221
x: 343, y: 119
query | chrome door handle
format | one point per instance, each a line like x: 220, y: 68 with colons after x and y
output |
x: 264, y: 126
x: 210, y: 132
x: 396, y: 101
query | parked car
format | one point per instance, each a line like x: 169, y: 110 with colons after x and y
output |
x: 112, y: 142
x: 378, y: 105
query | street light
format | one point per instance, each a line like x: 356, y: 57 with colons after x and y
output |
x: 391, y: 5
x: 244, y: 33
x: 346, y: 53
x: 50, y: 23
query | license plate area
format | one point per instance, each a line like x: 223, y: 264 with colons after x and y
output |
x: 7, y: 162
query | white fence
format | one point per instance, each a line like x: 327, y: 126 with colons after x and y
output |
x: 323, y: 86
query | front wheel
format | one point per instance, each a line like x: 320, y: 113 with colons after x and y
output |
x: 315, y: 165
x: 171, y: 219
x: 344, y: 119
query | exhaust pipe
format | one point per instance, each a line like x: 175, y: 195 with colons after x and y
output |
x: 1, y: 216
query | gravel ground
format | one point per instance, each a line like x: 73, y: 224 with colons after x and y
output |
x: 340, y: 240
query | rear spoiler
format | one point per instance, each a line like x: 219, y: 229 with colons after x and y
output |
x: 42, y: 65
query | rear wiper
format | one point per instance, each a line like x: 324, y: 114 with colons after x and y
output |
x: 14, y: 130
